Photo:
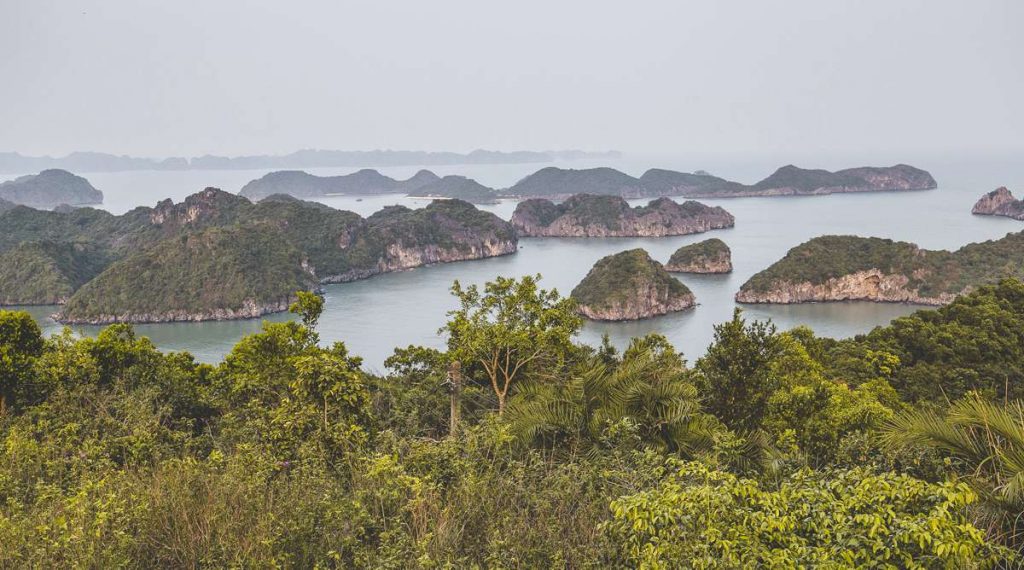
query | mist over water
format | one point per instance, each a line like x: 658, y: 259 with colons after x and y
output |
x: 376, y: 315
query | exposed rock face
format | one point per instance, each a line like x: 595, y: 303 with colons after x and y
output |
x: 708, y: 256
x: 211, y: 206
x: 789, y: 180
x: 587, y: 215
x: 843, y: 268
x: 870, y: 285
x: 999, y: 202
x: 303, y: 185
x: 444, y: 231
x: 50, y: 188
x: 629, y: 286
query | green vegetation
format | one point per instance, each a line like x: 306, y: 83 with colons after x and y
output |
x: 776, y: 449
x: 930, y: 272
x: 218, y: 272
x: 57, y: 252
x: 50, y: 188
x: 617, y: 280
x: 710, y: 254
x: 47, y: 273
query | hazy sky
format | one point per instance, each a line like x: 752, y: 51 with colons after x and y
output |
x: 183, y: 77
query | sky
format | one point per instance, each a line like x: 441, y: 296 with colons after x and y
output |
x: 185, y: 77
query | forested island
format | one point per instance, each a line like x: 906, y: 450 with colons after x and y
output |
x: 708, y: 256
x: 48, y: 189
x: 629, y: 285
x: 845, y: 268
x: 554, y: 182
x: 590, y: 215
x: 219, y: 256
x: 515, y: 446
x: 999, y: 202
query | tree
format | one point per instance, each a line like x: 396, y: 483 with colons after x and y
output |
x: 510, y: 329
x: 735, y: 374
x: 702, y: 518
x: 21, y: 343
x: 987, y: 441
x: 650, y: 388
x: 308, y: 306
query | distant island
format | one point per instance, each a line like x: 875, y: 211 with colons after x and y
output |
x: 999, y: 202
x: 48, y: 189
x: 553, y: 182
x: 589, y: 215
x: 217, y: 255
x: 847, y: 268
x: 307, y: 158
x: 366, y: 182
x: 628, y: 286
x: 708, y: 256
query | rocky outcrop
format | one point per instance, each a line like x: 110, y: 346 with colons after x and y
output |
x: 588, y: 215
x: 248, y: 309
x: 708, y: 256
x: 869, y: 285
x: 304, y: 185
x: 399, y: 238
x: 50, y: 188
x: 630, y: 286
x: 846, y: 268
x: 999, y: 202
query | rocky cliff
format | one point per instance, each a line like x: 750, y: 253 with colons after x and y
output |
x: 102, y: 264
x: 588, y: 215
x: 708, y: 256
x: 844, y: 268
x: 999, y: 202
x: 363, y: 182
x: 398, y: 238
x: 629, y: 286
x: 50, y: 188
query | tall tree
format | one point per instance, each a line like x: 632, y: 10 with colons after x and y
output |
x: 510, y: 328
x: 20, y: 344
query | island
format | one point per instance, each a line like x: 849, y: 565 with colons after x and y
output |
x: 848, y: 268
x: 999, y: 202
x: 628, y: 286
x: 708, y: 256
x: 366, y: 182
x: 559, y: 183
x: 458, y: 187
x: 50, y: 188
x: 591, y: 215
x: 226, y: 256
x: 215, y: 274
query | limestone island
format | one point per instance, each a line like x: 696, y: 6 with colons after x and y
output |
x: 50, y: 188
x: 999, y: 202
x: 458, y: 187
x: 556, y: 183
x: 590, y: 215
x: 628, y: 286
x: 219, y: 256
x: 366, y: 182
x: 849, y: 268
x: 708, y: 256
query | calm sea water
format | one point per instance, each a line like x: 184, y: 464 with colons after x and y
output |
x: 375, y: 315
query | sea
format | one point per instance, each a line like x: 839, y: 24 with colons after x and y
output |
x: 375, y: 315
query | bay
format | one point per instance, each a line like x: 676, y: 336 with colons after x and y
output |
x: 376, y: 315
